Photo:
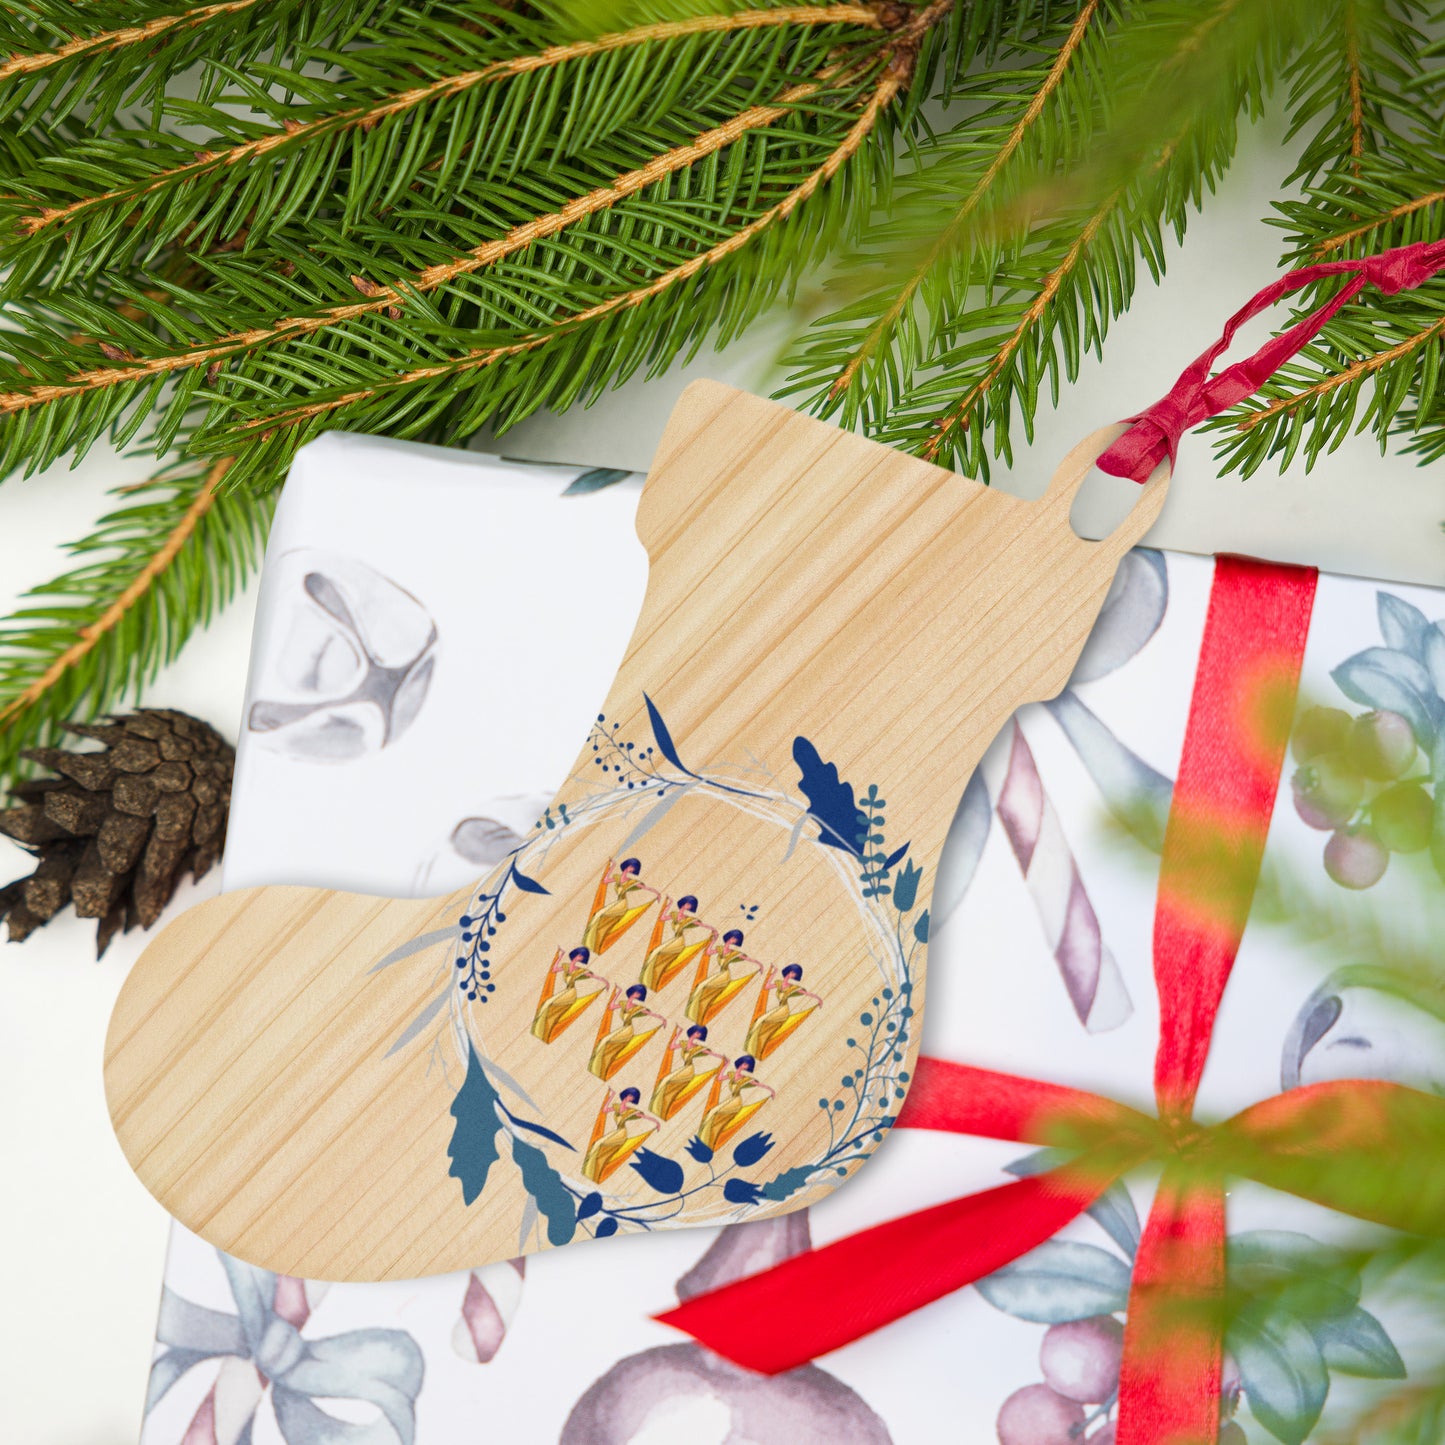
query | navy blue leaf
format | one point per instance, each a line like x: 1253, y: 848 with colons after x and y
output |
x: 663, y: 1174
x: 541, y: 1129
x: 604, y: 1228
x: 841, y: 823
x: 589, y: 1206
x: 896, y: 857
x: 545, y: 1185
x: 594, y: 480
x: 739, y: 1191
x: 905, y: 887
x: 665, y: 744
x: 1381, y: 677
x: 473, y: 1147
x: 1402, y: 625
x: 753, y: 1148
x: 527, y: 885
x: 699, y: 1150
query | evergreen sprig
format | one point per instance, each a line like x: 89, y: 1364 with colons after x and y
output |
x: 229, y: 226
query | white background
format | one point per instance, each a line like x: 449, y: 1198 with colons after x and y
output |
x: 81, y: 1262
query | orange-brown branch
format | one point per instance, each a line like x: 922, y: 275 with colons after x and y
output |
x: 1366, y: 366
x: 1405, y: 208
x: 883, y: 93
x: 90, y: 637
x: 1355, y: 86
x: 957, y: 414
x: 948, y: 237
x: 382, y: 298
x: 118, y: 39
x: 363, y: 117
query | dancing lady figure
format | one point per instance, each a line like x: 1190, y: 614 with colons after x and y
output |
x: 772, y: 1025
x: 615, y: 1046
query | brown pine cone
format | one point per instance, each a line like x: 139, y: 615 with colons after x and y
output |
x: 117, y: 828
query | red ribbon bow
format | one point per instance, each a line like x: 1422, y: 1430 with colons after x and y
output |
x: 1234, y: 747
x: 1196, y: 396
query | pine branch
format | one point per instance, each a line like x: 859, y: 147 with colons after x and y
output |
x: 169, y: 192
x: 151, y: 573
x: 455, y: 368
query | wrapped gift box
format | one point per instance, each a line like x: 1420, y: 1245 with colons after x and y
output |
x: 416, y: 692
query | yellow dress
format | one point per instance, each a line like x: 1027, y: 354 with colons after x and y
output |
x: 770, y: 1029
x: 675, y: 1087
x: 614, y: 1049
x: 610, y: 1152
x: 608, y: 924
x: 715, y: 992
x: 666, y: 960
x: 557, y: 1010
x: 724, y: 1120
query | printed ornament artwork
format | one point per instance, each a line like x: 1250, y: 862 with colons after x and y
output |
x: 690, y: 993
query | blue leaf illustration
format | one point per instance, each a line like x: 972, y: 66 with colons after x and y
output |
x: 1059, y: 1281
x: 527, y: 885
x: 605, y: 1227
x: 788, y: 1183
x: 905, y: 887
x: 594, y: 480
x: 473, y: 1147
x: 665, y: 744
x: 1381, y: 677
x: 1356, y: 1344
x: 920, y: 929
x: 663, y: 1174
x: 896, y: 856
x: 841, y: 823
x: 589, y: 1206
x: 1282, y: 1371
x: 545, y: 1185
x: 753, y: 1148
x: 1433, y: 656
x: 699, y: 1150
x: 1402, y: 625
x: 739, y: 1191
x: 541, y: 1129
x: 1113, y: 1211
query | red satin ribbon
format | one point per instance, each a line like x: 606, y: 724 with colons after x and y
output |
x: 1197, y: 396
x: 1234, y: 746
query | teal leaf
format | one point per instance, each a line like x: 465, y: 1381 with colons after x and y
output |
x: 789, y: 1182
x: 1059, y: 1281
x: 545, y: 1185
x: 920, y: 929
x: 1402, y: 625
x: 594, y: 480
x: 473, y: 1147
x: 1282, y: 1371
x: 1382, y: 677
x: 1356, y: 1344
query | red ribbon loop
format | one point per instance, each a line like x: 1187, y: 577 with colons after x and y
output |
x: 1154, y: 433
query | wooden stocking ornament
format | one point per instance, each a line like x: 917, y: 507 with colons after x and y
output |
x: 693, y: 993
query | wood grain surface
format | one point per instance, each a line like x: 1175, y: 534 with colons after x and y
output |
x: 345, y: 1087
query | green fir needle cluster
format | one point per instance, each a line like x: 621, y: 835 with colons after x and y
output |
x: 228, y: 227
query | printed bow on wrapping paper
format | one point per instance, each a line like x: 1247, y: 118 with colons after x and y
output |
x: 261, y: 1349
x: 1303, y: 1141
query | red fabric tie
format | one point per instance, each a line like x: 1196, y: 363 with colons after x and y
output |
x: 1154, y: 434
